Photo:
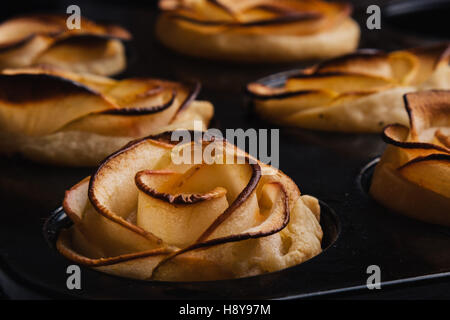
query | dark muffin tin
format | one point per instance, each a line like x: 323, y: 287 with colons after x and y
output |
x: 334, y: 167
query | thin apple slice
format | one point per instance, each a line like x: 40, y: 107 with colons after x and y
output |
x: 138, y: 265
x: 38, y: 104
x: 25, y: 39
x: 352, y: 112
x: 258, y: 17
x: 283, y: 105
x: 143, y: 118
x: 431, y: 59
x: 274, y: 216
x: 431, y: 172
x: 365, y: 62
x: 427, y: 109
x: 112, y: 190
x: 85, y: 55
x: 169, y: 107
x: 404, y: 66
x: 95, y: 231
x: 200, y: 12
x: 338, y: 82
x: 174, y: 214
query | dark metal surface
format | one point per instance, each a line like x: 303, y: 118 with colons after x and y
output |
x: 324, y: 165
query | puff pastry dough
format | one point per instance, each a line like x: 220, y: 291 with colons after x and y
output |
x: 360, y: 92
x: 143, y: 216
x: 413, y: 175
x: 75, y: 119
x: 45, y: 39
x: 258, y: 30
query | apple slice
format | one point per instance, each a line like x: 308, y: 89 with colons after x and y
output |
x: 365, y: 62
x: 431, y: 59
x: 39, y: 104
x: 431, y: 172
x: 172, y: 213
x: 274, y: 216
x: 112, y: 189
x: 427, y: 109
x: 338, y: 82
x: 97, y: 236
x: 26, y: 39
x: 283, y: 105
x: 404, y: 66
x: 137, y: 265
x: 141, y: 118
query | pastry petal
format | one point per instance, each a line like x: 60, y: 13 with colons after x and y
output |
x: 360, y: 92
x: 144, y: 215
x: 43, y: 111
x: 413, y: 176
x: 45, y: 39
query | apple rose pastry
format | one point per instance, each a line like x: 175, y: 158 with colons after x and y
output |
x: 143, y: 214
x: 258, y: 30
x: 413, y: 175
x: 45, y: 39
x: 73, y: 119
x: 360, y: 92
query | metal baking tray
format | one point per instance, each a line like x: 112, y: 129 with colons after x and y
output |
x: 336, y: 168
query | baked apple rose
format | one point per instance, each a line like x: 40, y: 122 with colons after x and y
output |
x: 74, y: 119
x: 413, y: 175
x: 359, y: 92
x: 258, y: 30
x: 45, y: 39
x: 144, y: 214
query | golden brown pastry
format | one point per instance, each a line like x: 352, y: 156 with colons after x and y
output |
x: 413, y: 175
x: 360, y: 92
x: 45, y: 39
x: 141, y: 215
x: 74, y: 119
x: 258, y: 30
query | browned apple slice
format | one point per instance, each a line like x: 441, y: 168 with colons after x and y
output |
x: 273, y: 217
x: 338, y: 82
x: 83, y: 54
x: 142, y: 265
x: 173, y: 213
x: 152, y: 154
x: 427, y: 110
x: 145, y: 111
x: 134, y: 119
x: 258, y: 17
x: 400, y: 136
x: 404, y: 66
x: 283, y: 105
x: 432, y: 58
x: 431, y: 172
x: 37, y: 104
x: 20, y: 29
x: 95, y: 231
x: 367, y: 62
x: 29, y: 40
